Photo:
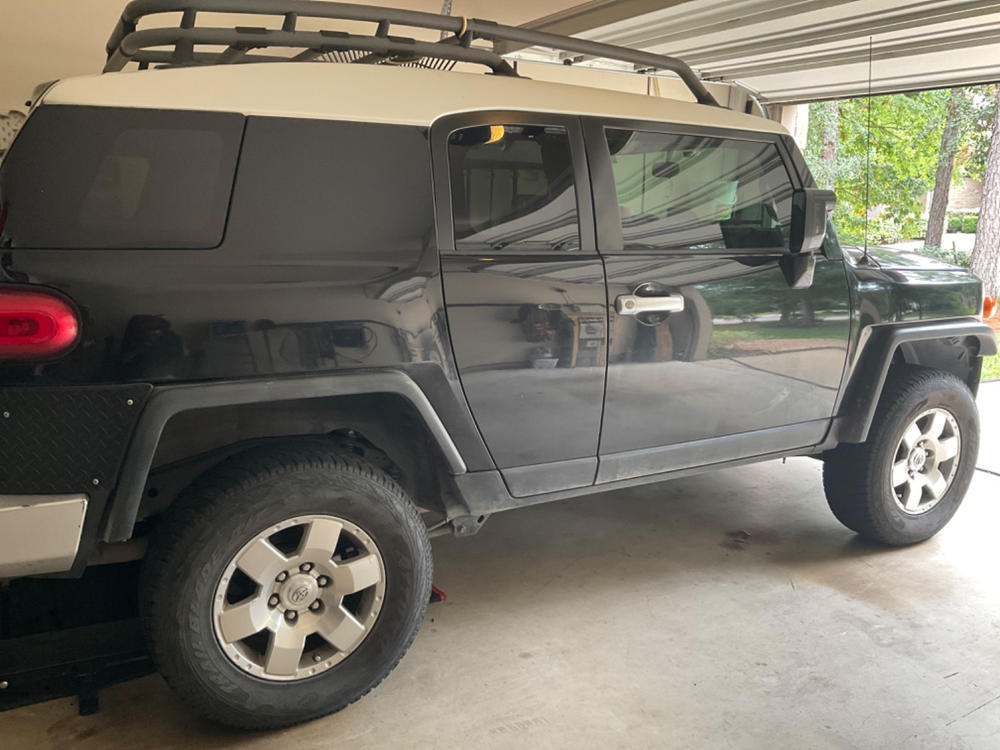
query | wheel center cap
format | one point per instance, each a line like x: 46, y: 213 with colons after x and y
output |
x: 918, y: 458
x: 298, y: 592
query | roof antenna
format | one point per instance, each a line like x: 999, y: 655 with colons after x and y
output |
x: 445, y: 11
x: 868, y: 150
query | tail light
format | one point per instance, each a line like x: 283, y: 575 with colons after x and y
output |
x: 35, y: 324
x: 989, y: 307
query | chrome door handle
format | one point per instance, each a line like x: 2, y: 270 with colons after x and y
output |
x: 633, y: 304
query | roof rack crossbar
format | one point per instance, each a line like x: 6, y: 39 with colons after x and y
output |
x: 127, y: 44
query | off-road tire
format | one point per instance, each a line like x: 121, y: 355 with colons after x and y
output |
x: 856, y: 476
x: 224, y: 509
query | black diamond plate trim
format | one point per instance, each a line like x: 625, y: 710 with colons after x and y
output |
x: 63, y: 439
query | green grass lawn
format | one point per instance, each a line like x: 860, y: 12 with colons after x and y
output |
x: 991, y: 368
x: 723, y: 338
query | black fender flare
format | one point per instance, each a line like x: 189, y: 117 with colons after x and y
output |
x: 876, y: 352
x: 168, y: 401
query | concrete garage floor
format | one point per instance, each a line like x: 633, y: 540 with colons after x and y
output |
x: 727, y: 610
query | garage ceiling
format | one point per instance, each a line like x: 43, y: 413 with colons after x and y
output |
x: 804, y: 50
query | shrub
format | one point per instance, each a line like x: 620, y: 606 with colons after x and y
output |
x: 884, y: 230
x: 954, y: 223
x: 970, y: 223
x: 952, y: 256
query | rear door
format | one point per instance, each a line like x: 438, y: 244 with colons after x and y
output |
x: 524, y: 291
x: 713, y: 356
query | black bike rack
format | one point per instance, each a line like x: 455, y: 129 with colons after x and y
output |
x: 75, y: 662
x: 72, y: 637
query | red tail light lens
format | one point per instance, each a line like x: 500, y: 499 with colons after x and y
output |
x: 35, y: 325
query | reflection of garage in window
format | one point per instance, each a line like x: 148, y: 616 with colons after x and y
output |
x: 513, y: 186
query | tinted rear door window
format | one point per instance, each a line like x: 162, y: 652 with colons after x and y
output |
x: 513, y: 189
x: 95, y: 177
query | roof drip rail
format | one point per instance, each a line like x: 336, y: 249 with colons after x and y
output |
x: 146, y: 47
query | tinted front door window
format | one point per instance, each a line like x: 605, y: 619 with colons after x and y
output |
x: 690, y: 192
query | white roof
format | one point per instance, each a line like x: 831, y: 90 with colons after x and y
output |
x: 374, y: 93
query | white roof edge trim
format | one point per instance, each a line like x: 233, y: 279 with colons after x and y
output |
x: 377, y: 94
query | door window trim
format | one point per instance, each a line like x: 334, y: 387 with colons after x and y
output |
x: 607, y: 217
x: 440, y: 132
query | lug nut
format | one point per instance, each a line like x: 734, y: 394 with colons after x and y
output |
x: 273, y: 601
x: 323, y: 581
x: 281, y: 576
x: 290, y: 615
x: 314, y: 607
x: 306, y: 567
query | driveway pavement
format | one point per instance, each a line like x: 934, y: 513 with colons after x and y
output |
x: 989, y: 415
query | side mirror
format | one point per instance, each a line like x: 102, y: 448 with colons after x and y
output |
x: 811, y: 207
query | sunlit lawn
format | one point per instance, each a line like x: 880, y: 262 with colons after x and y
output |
x: 723, y: 337
x: 991, y: 368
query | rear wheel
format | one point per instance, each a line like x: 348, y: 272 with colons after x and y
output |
x: 905, y: 482
x: 285, y: 585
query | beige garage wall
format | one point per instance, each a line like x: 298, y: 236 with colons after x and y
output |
x: 42, y: 40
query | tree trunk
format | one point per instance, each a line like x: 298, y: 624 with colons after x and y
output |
x: 946, y: 163
x: 986, y: 253
x: 831, y: 123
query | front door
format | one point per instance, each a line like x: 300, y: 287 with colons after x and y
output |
x: 524, y: 291
x: 713, y: 356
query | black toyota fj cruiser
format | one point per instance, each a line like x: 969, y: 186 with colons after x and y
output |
x: 272, y: 326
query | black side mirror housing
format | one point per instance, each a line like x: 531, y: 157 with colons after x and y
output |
x: 811, y: 207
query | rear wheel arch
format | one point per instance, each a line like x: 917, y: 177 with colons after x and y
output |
x: 185, y: 436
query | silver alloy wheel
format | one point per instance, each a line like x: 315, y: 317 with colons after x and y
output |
x: 926, y: 461
x: 299, y: 597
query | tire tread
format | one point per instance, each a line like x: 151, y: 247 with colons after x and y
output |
x: 852, y: 471
x: 193, y: 510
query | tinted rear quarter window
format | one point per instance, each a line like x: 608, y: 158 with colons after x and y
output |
x: 97, y: 177
x: 332, y: 189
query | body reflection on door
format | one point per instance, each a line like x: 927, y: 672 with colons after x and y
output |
x: 530, y: 343
x: 747, y: 352
x: 526, y: 300
x: 740, y: 364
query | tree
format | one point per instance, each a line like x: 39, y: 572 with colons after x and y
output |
x: 986, y: 253
x: 950, y: 139
x: 900, y: 149
x: 821, y: 142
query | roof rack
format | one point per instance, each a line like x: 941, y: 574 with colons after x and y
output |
x: 146, y: 47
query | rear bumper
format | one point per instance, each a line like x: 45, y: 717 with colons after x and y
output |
x: 39, y: 533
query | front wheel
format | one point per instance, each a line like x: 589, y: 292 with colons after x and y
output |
x: 905, y: 482
x: 285, y: 585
